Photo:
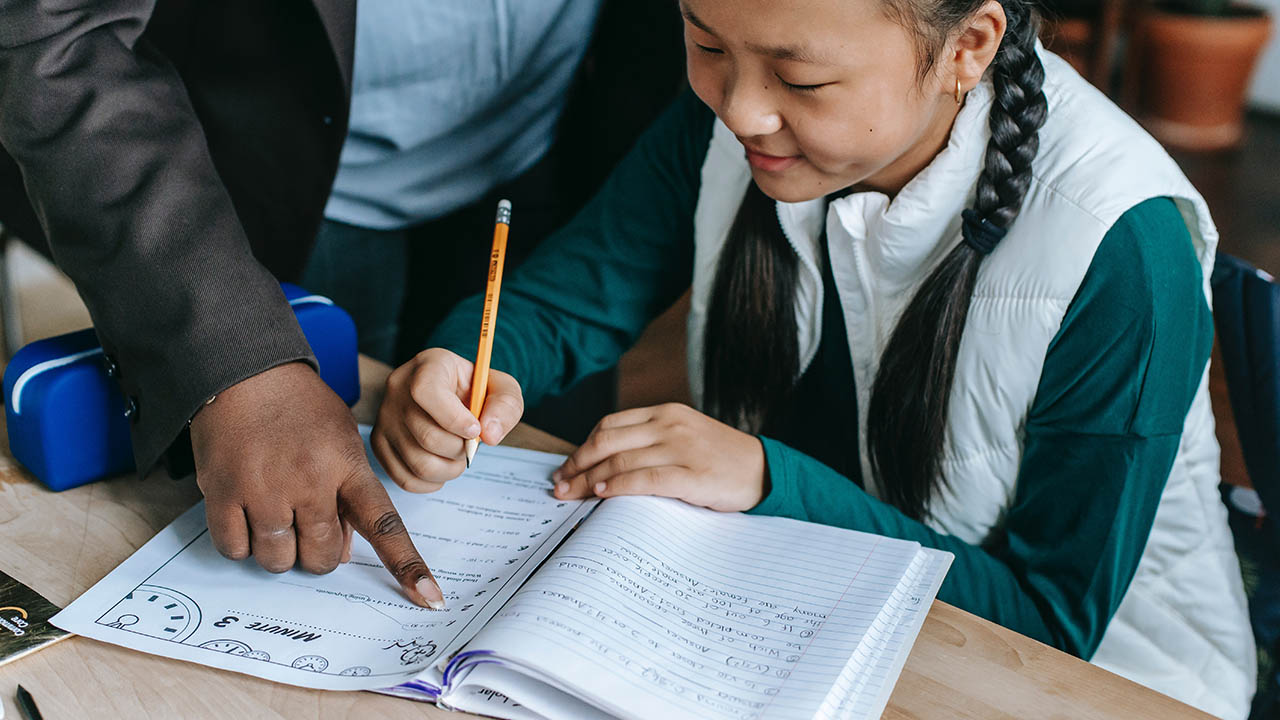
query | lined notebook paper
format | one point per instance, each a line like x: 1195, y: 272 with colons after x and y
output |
x: 654, y: 608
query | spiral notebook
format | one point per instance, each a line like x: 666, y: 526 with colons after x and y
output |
x: 632, y: 607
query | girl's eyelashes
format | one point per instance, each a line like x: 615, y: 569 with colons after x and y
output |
x: 800, y: 88
x: 707, y: 49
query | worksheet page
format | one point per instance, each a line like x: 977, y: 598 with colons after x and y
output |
x: 352, y: 629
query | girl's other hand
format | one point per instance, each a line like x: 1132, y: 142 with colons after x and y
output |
x: 424, y: 421
x: 670, y: 450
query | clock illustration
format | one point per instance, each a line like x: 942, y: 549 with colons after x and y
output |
x: 314, y: 663
x: 230, y: 647
x: 155, y: 611
x: 258, y: 655
x: 357, y: 671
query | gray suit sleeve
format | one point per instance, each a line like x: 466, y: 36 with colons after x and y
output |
x: 116, y: 166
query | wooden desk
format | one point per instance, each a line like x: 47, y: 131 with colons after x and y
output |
x: 62, y: 543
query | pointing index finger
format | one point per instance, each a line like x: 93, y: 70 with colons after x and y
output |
x: 365, y: 504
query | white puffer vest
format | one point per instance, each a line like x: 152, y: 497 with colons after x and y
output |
x: 1182, y: 627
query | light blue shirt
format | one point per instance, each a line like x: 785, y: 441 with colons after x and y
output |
x: 451, y: 98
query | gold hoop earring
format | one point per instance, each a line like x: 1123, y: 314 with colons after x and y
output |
x: 957, y: 91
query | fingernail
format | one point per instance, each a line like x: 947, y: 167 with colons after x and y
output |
x: 473, y: 430
x: 555, y: 477
x: 562, y: 488
x: 430, y: 592
x: 495, y: 429
x: 600, y: 487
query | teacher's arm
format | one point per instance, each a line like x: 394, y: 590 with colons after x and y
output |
x: 117, y: 167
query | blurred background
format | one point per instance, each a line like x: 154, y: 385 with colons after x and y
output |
x: 1203, y: 76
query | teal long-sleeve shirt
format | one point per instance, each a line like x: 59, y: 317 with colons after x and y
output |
x: 1100, y: 438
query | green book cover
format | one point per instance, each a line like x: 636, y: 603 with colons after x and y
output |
x: 24, y: 620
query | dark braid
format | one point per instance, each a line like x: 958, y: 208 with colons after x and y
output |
x: 907, y: 417
x: 1016, y: 116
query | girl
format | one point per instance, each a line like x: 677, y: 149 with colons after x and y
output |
x: 942, y: 289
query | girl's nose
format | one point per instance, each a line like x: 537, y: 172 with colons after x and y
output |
x: 748, y: 109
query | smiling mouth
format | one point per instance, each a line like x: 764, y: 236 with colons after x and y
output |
x: 770, y: 163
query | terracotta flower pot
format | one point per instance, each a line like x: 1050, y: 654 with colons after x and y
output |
x: 1194, y: 74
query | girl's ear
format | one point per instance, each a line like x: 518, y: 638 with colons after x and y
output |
x: 975, y: 44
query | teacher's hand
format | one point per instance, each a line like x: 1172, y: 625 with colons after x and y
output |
x: 285, y: 478
x: 424, y: 421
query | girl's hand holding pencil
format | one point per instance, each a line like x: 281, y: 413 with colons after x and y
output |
x: 439, y: 406
x: 424, y: 421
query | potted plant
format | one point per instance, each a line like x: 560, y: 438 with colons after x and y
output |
x: 1194, y: 59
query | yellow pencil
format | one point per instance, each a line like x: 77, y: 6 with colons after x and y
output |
x: 480, y: 377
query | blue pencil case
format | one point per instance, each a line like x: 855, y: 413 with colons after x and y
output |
x: 66, y: 415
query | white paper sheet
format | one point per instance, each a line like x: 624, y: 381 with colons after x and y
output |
x: 351, y: 629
